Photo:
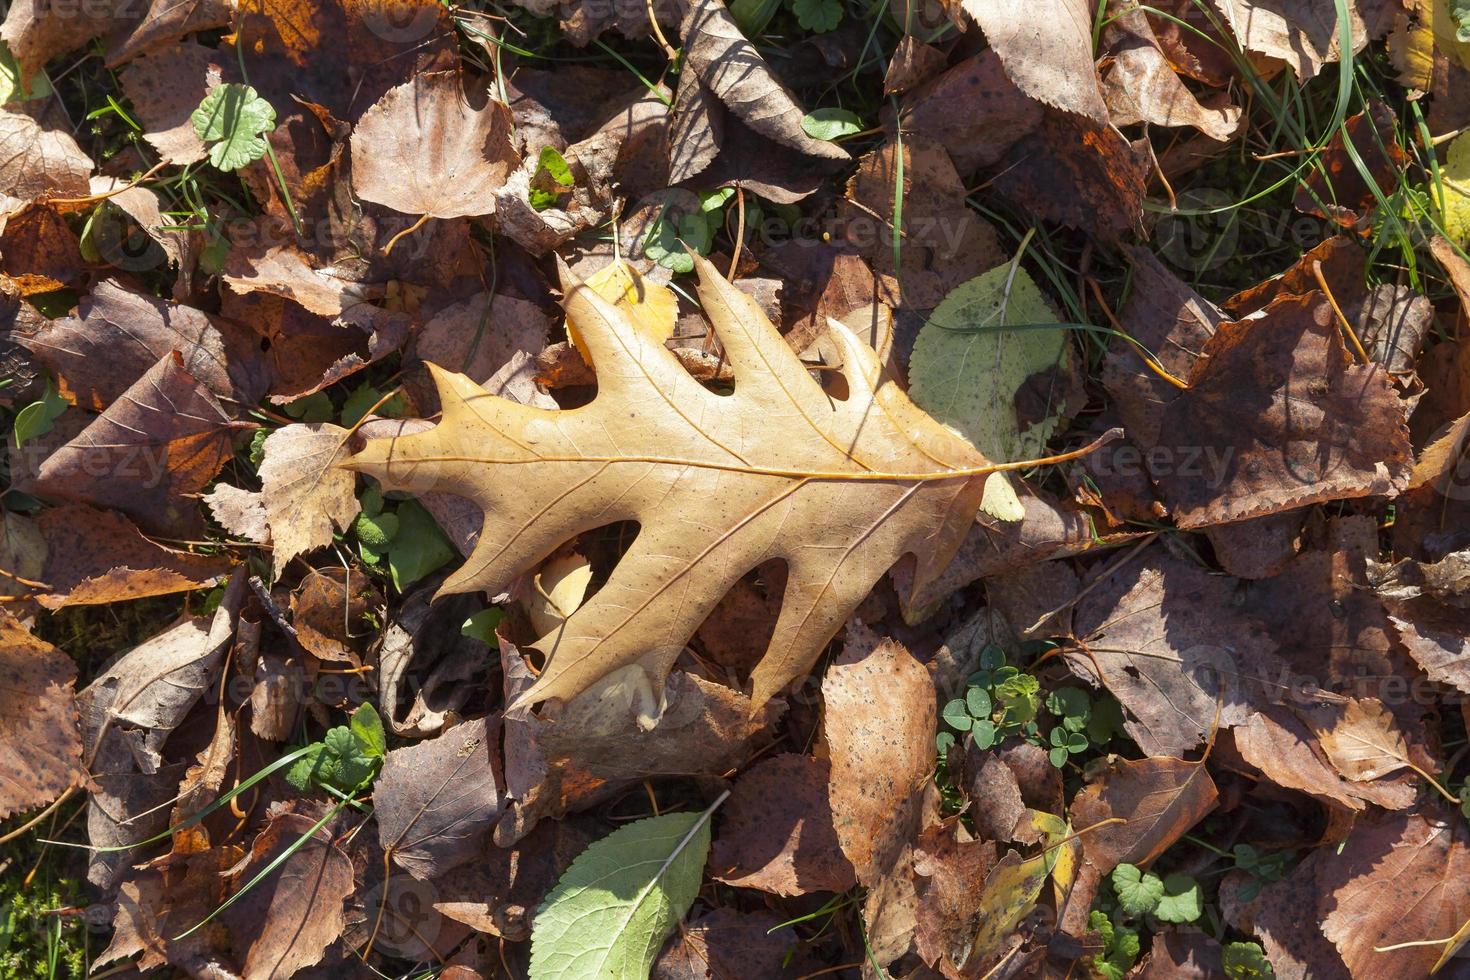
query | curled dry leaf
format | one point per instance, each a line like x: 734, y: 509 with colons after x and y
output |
x: 307, y: 495
x: 1284, y: 749
x: 775, y: 831
x: 1336, y: 189
x: 1141, y: 86
x: 99, y: 556
x: 732, y: 69
x: 40, y: 742
x: 164, y: 88
x: 425, y: 149
x: 735, y: 474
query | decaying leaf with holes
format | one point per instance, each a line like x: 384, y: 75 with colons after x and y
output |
x: 839, y: 489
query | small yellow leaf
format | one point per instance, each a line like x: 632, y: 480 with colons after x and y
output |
x: 1000, y: 500
x: 1456, y: 178
x: 560, y: 588
x: 652, y: 307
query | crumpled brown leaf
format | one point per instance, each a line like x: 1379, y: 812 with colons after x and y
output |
x: 287, y: 921
x: 973, y: 110
x: 736, y: 74
x: 1140, y: 85
x: 306, y: 495
x: 38, y: 160
x: 1158, y: 798
x: 1280, y: 417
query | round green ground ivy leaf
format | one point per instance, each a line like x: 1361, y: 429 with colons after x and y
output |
x: 1181, y: 901
x: 232, y: 119
x: 1138, y: 891
x: 611, y: 911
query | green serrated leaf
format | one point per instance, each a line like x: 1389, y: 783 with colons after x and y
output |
x: 830, y: 124
x: 367, y: 726
x: 967, y: 367
x: 1138, y: 891
x: 818, y: 15
x: 302, y: 773
x: 233, y: 119
x: 611, y: 911
x: 1181, y: 900
x: 418, y: 548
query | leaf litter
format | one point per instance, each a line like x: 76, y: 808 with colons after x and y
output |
x: 701, y: 489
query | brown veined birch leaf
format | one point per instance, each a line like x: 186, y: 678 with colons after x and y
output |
x: 1360, y: 737
x: 163, y: 440
x: 1302, y: 33
x: 287, y: 921
x: 718, y: 484
x: 306, y: 496
x: 37, y: 160
x: 1046, y: 49
x: 1399, y: 883
x: 423, y: 149
x: 40, y: 734
x: 1158, y: 799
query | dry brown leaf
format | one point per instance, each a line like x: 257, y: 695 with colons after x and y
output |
x: 424, y: 149
x: 307, y: 496
x: 879, y: 721
x: 776, y: 833
x: 165, y: 22
x: 1360, y: 738
x: 1160, y: 630
x: 285, y: 271
x: 1282, y: 747
x: 1283, y: 417
x: 1302, y: 33
x: 99, y: 556
x: 950, y: 876
x: 436, y: 802
x: 1336, y: 189
x: 287, y: 921
x: 118, y: 334
x: 1398, y: 883
x: 696, y: 129
x: 1079, y: 173
x: 1287, y: 923
x: 163, y: 440
x: 164, y: 88
x: 734, y: 474
x: 913, y: 64
x: 240, y: 512
x: 725, y: 943
x: 38, y: 30
x: 477, y: 336
x: 37, y: 161
x: 40, y: 741
x: 329, y: 612
x: 973, y: 110
x: 1158, y: 800
x: 1140, y: 84
x: 1046, y: 49
x: 1177, y: 954
x: 736, y: 74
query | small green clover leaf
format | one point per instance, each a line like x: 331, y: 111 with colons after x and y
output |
x: 957, y: 715
x: 233, y: 119
x: 984, y: 733
x: 1063, y: 744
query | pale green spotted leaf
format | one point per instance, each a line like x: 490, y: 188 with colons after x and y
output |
x: 610, y: 913
x: 967, y: 368
x: 232, y: 119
